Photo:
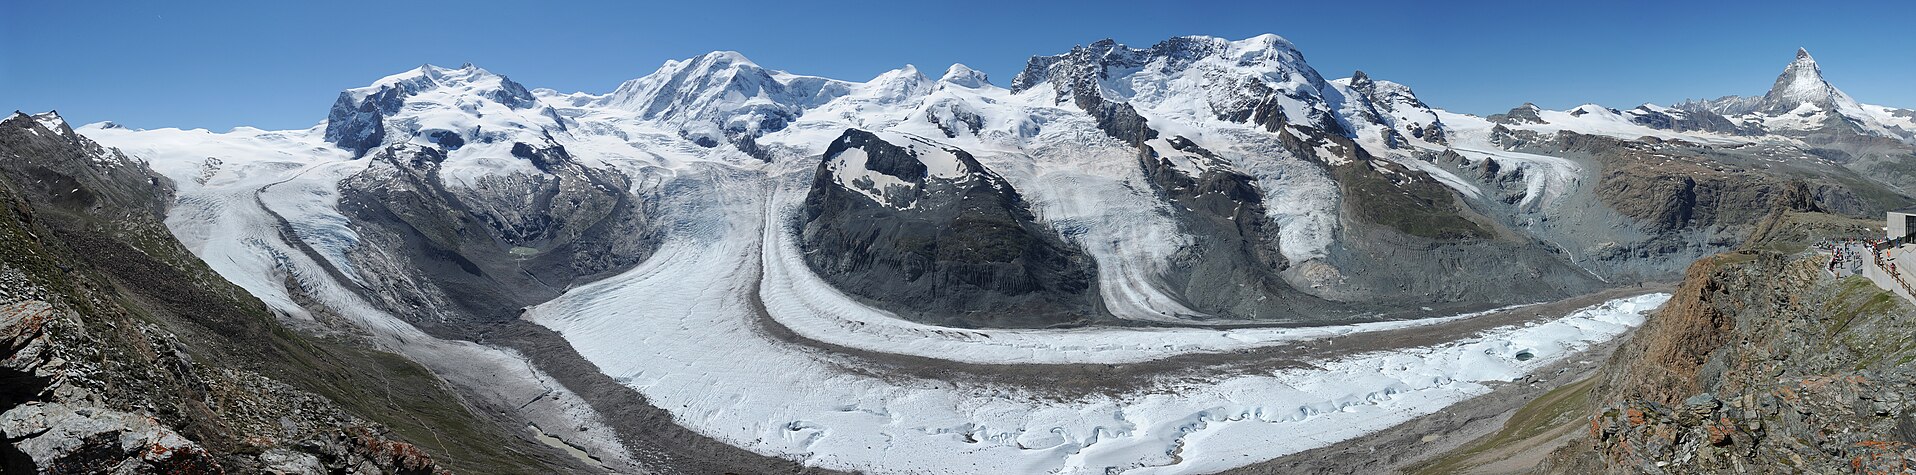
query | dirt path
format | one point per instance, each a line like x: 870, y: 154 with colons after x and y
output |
x: 1525, y: 439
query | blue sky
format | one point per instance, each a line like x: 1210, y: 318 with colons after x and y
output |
x: 280, y: 64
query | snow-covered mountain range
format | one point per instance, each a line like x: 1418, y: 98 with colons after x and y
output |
x: 716, y: 235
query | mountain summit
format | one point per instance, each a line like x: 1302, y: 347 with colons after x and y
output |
x: 1802, y: 104
x: 1802, y: 83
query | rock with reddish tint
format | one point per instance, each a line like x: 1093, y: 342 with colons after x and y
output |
x: 60, y: 438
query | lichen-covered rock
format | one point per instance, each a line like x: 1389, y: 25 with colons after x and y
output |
x: 59, y: 438
x: 282, y: 461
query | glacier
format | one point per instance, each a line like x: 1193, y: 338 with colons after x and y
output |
x: 728, y: 330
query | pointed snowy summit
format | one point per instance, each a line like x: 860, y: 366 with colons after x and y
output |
x: 52, y: 121
x: 1802, y: 84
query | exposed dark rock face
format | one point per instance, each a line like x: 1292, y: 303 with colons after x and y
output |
x: 1393, y: 98
x: 1668, y: 188
x: 1392, y: 195
x: 1689, y: 120
x: 1524, y: 114
x: 122, y: 351
x: 1079, y: 82
x: 359, y: 123
x: 958, y: 250
x: 954, y: 118
x: 483, y: 250
x: 748, y: 143
x: 1233, y: 270
x: 65, y: 169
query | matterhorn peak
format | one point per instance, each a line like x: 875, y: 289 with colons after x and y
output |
x: 1802, y: 84
x: 963, y: 76
x: 1805, y: 66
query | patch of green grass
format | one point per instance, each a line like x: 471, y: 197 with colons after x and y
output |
x: 1420, y: 208
x: 1547, y: 413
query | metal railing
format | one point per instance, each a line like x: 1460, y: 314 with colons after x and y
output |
x: 1879, y: 268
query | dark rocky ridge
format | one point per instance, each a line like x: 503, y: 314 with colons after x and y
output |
x: 961, y: 251
x: 1433, y: 132
x: 1234, y: 270
x: 1689, y: 120
x: 1524, y: 114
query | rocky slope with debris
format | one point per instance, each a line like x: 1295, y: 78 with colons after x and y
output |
x: 1761, y: 363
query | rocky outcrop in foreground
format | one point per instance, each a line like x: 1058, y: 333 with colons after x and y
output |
x: 1761, y: 363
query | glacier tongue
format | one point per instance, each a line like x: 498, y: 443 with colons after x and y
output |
x: 789, y: 401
